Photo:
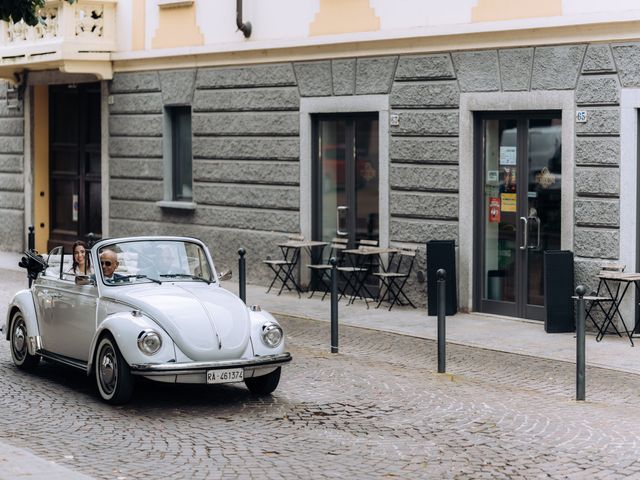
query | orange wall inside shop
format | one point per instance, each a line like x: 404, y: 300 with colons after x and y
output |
x: 41, y: 166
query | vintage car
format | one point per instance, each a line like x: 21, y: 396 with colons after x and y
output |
x: 153, y: 308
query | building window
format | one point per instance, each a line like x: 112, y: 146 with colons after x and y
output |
x: 179, y: 153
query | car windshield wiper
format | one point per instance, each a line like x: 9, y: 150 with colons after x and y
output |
x: 143, y: 276
x: 184, y: 275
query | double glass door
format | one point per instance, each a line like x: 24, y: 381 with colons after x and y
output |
x: 518, y: 210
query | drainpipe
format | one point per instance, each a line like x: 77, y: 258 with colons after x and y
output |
x: 244, y: 27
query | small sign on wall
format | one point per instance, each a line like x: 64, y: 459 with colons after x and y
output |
x: 581, y: 116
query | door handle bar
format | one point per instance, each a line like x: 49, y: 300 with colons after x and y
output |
x: 338, y: 230
x: 526, y: 234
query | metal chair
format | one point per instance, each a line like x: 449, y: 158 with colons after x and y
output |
x: 596, y: 299
x: 283, y: 268
x: 355, y: 274
x: 323, y: 270
x: 395, y: 278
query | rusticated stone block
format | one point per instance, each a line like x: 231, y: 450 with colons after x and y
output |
x: 598, y: 59
x: 586, y: 273
x: 515, y: 68
x: 223, y: 171
x: 249, y: 123
x: 421, y: 231
x: 227, y: 217
x: 177, y: 86
x: 597, y: 181
x: 11, y: 163
x: 424, y: 205
x: 600, y: 213
x: 238, y: 195
x: 255, y: 99
x: 276, y: 148
x: 11, y: 237
x: 425, y: 95
x: 597, y: 243
x: 427, y: 123
x: 424, y: 150
x: 12, y: 182
x: 597, y: 151
x: 276, y: 75
x: 344, y: 76
x: 425, y: 67
x: 375, y: 75
x: 11, y: 126
x: 627, y: 58
x: 135, y: 82
x: 424, y: 178
x: 314, y: 78
x: 12, y: 201
x: 135, y: 147
x: 122, y: 189
x: 598, y: 91
x: 136, y: 103
x: 135, y: 125
x: 12, y: 145
x: 600, y: 122
x: 557, y: 68
x: 477, y: 71
x: 142, y: 168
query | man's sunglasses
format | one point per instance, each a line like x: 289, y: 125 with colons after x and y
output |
x: 105, y: 263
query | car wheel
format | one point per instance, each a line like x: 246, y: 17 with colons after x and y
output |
x: 113, y: 377
x: 19, y: 344
x: 264, y: 384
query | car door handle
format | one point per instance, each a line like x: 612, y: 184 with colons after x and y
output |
x: 55, y: 295
x: 525, y: 243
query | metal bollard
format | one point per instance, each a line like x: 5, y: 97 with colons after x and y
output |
x: 580, y: 344
x: 31, y: 238
x: 334, y: 305
x: 242, y: 275
x: 442, y: 306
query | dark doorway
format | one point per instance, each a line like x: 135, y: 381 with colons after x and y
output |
x: 74, y: 163
x: 517, y: 209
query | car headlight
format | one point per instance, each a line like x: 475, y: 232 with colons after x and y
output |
x: 149, y: 342
x: 271, y: 334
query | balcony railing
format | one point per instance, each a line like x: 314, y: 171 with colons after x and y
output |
x: 77, y: 34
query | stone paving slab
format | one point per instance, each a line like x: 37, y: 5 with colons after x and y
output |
x: 19, y: 464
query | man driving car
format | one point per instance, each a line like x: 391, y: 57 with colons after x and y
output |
x: 109, y: 264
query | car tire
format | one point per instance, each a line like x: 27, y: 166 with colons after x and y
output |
x: 265, y: 384
x: 19, y: 344
x: 113, y: 377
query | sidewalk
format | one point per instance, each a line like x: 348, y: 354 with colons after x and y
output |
x: 490, y: 332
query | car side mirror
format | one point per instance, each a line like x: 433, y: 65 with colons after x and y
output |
x: 226, y: 275
x: 84, y: 280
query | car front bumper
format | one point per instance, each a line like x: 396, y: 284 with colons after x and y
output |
x: 160, y: 369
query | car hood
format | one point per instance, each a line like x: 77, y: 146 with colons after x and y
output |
x: 206, y: 323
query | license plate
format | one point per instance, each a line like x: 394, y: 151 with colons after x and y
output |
x: 225, y: 376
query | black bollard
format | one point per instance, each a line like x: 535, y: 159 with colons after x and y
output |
x: 242, y: 276
x: 31, y: 238
x: 442, y: 306
x: 580, y: 344
x: 334, y: 305
x: 91, y: 239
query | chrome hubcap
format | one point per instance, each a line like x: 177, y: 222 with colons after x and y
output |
x: 108, y: 372
x: 19, y: 340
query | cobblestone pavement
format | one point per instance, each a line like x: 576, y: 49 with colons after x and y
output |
x: 376, y: 410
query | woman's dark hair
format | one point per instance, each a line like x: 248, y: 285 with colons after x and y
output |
x: 79, y: 243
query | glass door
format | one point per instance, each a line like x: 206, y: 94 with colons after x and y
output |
x: 518, y: 212
x: 346, y: 177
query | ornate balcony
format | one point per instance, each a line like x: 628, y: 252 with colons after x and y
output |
x: 76, y: 38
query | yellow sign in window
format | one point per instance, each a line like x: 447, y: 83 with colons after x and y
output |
x: 508, y: 202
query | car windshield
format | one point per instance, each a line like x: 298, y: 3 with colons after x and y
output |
x: 145, y: 261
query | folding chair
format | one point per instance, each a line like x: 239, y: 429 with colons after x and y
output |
x: 323, y: 270
x: 394, y: 279
x: 598, y: 299
x: 283, y: 269
x: 355, y: 274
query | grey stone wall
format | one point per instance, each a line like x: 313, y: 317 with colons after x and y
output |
x: 11, y: 174
x: 245, y: 158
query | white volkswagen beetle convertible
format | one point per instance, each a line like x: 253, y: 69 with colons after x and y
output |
x: 152, y: 307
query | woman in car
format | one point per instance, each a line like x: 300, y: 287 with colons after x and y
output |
x: 81, y: 264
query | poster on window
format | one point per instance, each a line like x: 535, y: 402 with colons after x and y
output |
x: 494, y: 210
x: 74, y: 207
x: 507, y: 155
x: 508, y: 202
